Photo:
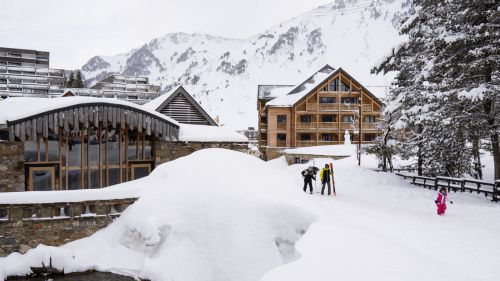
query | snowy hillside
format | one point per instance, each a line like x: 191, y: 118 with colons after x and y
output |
x: 223, y: 74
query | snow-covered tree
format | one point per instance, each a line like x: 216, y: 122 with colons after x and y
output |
x: 385, y: 146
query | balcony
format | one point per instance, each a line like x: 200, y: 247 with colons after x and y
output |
x: 368, y: 126
x: 328, y: 107
x: 348, y: 126
x: 263, y: 128
x: 328, y: 125
x: 306, y: 126
x: 306, y: 143
x: 350, y: 107
x: 281, y: 144
x: 263, y: 143
x: 366, y: 107
x: 281, y: 126
x: 327, y: 142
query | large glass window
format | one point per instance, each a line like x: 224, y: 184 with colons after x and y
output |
x: 348, y: 118
x: 305, y: 137
x: 281, y: 137
x: 327, y: 118
x: 305, y: 118
x: 334, y: 85
x: 348, y: 100
x: 326, y: 137
x: 281, y: 118
x: 344, y: 87
x: 327, y: 100
x: 369, y: 119
x: 369, y: 137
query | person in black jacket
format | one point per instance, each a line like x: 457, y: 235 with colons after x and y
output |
x: 325, y: 175
x: 308, y: 175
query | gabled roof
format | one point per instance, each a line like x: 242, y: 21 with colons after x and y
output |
x: 269, y: 92
x: 162, y: 101
x: 311, y: 84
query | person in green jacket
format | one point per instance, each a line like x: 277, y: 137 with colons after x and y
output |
x: 325, y: 176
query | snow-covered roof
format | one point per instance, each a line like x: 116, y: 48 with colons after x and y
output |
x: 303, y: 89
x: 269, y: 92
x: 204, y: 133
x: 14, y: 108
x: 326, y: 150
x: 154, y: 104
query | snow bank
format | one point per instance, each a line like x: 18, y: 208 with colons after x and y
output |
x: 209, y: 133
x: 235, y: 218
x: 17, y: 108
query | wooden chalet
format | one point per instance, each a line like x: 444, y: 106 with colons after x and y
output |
x: 179, y: 105
x: 316, y: 112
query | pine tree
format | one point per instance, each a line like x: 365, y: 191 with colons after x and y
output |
x: 429, y: 113
x: 78, y: 81
x: 70, y: 81
x: 385, y: 146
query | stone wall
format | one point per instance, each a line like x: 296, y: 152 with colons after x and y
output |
x: 11, y: 166
x: 25, y: 226
x: 273, y: 153
x: 169, y: 151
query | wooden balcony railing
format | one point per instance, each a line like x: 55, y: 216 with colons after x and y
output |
x: 306, y: 143
x: 350, y: 107
x: 312, y: 107
x: 306, y: 126
x: 368, y: 126
x: 328, y: 125
x: 263, y: 126
x: 366, y: 107
x: 281, y: 143
x: 328, y: 107
x: 327, y: 142
x: 347, y: 126
x: 263, y: 142
x: 281, y: 126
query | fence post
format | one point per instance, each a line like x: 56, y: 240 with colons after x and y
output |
x: 462, y: 186
x: 495, y: 191
x: 436, y: 183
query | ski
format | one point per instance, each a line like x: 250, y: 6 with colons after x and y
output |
x: 333, y: 180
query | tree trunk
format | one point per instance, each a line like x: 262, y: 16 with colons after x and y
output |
x: 419, y: 154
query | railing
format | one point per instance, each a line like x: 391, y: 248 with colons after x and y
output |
x: 263, y: 126
x: 281, y: 143
x: 306, y: 125
x: 263, y: 142
x: 306, y: 143
x: 350, y: 107
x: 328, y: 107
x: 312, y: 107
x: 347, y: 126
x: 456, y: 184
x: 366, y: 107
x: 327, y: 142
x: 328, y: 125
x: 281, y: 126
x: 368, y: 126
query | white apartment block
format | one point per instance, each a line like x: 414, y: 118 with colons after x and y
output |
x: 26, y: 73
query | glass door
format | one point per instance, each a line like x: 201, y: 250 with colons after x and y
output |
x: 140, y: 170
x: 42, y: 178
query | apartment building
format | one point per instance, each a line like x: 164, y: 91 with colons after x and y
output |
x: 27, y: 73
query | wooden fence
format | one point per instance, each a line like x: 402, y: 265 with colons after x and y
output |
x: 456, y: 184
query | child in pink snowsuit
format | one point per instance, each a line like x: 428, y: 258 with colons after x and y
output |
x: 441, y: 201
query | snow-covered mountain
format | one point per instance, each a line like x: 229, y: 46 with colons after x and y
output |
x: 223, y: 74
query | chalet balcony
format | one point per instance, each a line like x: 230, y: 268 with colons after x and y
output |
x: 281, y: 126
x: 263, y: 128
x: 350, y: 107
x: 366, y: 107
x: 281, y: 144
x: 306, y: 126
x: 328, y: 107
x: 348, y: 126
x: 263, y: 143
x: 306, y: 143
x: 328, y: 125
x: 327, y: 142
x: 263, y: 114
x: 368, y: 126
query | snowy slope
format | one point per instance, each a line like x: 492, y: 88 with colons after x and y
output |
x: 223, y: 74
x: 378, y: 227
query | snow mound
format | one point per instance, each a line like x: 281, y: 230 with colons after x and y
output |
x: 213, y: 215
x: 205, y: 133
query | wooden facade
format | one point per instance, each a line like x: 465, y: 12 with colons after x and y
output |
x: 321, y: 116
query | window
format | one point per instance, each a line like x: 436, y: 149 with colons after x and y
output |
x: 28, y: 82
x: 326, y: 137
x: 3, y: 81
x: 334, y: 86
x: 305, y: 137
x: 325, y: 89
x: 14, y: 72
x: 15, y: 89
x: 131, y: 98
x: 327, y: 100
x: 15, y: 81
x: 15, y: 55
x: 42, y: 82
x: 369, y: 137
x: 3, y: 63
x: 15, y: 63
x: 344, y: 87
x: 281, y: 118
x: 281, y: 137
x: 348, y: 100
x: 348, y: 118
x: 28, y: 73
x: 41, y: 58
x: 327, y: 118
x: 305, y: 118
x: 369, y: 119
x: 41, y: 91
x: 297, y: 160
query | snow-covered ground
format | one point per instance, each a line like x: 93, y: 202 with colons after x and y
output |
x: 224, y: 215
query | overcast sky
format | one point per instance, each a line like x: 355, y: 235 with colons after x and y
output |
x: 75, y: 31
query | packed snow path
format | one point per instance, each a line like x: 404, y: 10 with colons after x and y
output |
x: 218, y: 215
